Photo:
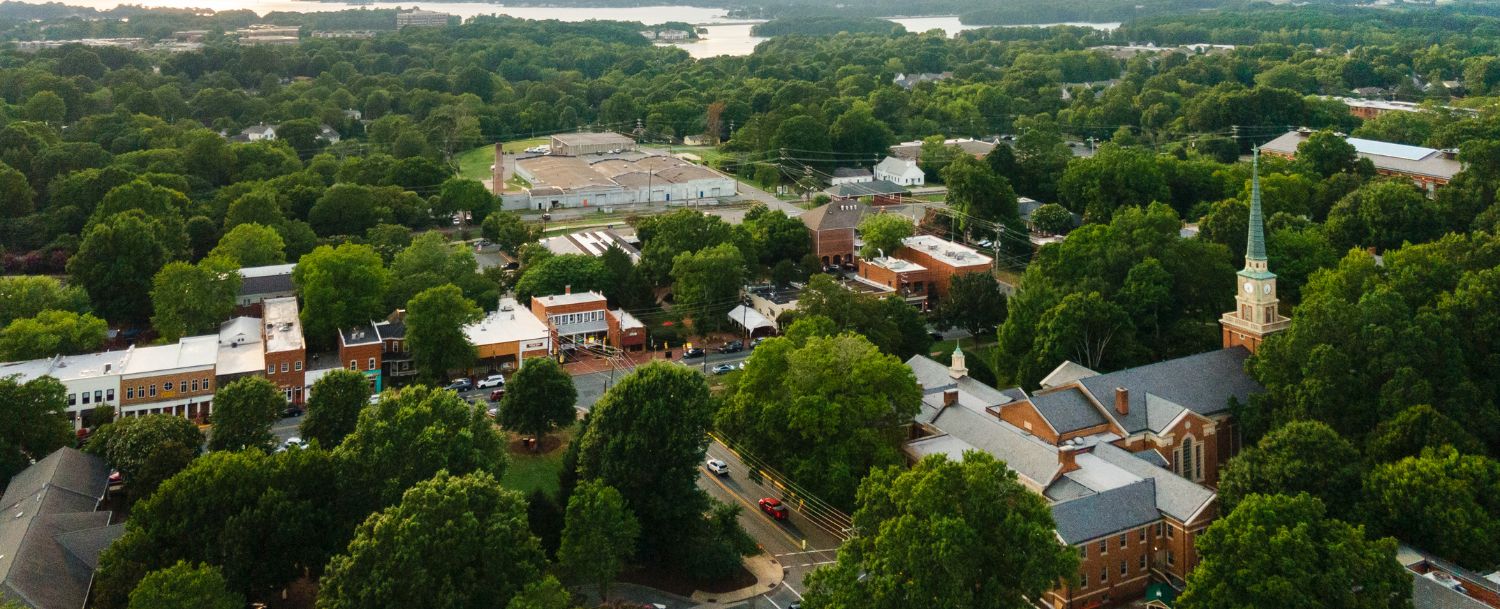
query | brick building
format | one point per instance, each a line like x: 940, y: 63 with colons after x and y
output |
x: 831, y: 228
x: 585, y: 318
x: 907, y: 279
x: 508, y: 335
x: 286, y: 352
x: 173, y: 379
x: 361, y: 350
x: 923, y: 268
x: 1428, y: 168
x: 1128, y: 459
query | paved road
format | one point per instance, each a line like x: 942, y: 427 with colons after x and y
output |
x: 593, y: 385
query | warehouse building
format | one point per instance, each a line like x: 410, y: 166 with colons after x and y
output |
x: 570, y: 181
x: 1428, y: 168
x: 581, y: 143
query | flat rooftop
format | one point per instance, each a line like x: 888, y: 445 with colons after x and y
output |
x: 590, y: 139
x: 946, y: 252
x: 509, y: 323
x: 190, y: 352
x: 268, y: 271
x: 69, y: 367
x: 896, y: 265
x: 632, y: 170
x: 569, y: 299
x: 283, y: 326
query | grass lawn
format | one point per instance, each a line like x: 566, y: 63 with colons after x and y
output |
x: 475, y: 164
x: 529, y: 471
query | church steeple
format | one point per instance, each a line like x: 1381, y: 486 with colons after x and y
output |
x: 1256, y: 313
x: 1255, y: 243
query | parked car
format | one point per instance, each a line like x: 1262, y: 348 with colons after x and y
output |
x: 733, y: 346
x: 724, y: 368
x: 719, y: 468
x: 756, y: 343
x: 694, y: 352
x: 460, y: 385
x: 493, y: 380
x: 497, y: 394
x: 291, y: 411
x: 773, y: 508
x: 291, y: 444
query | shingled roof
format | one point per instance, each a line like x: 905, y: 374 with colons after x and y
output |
x: 835, y: 215
x: 1202, y: 383
x: 51, y: 536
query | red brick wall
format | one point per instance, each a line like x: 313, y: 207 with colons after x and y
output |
x: 835, y: 242
x: 1025, y: 416
x: 294, y: 377
x: 361, y: 354
x: 1115, y: 588
x: 939, y: 274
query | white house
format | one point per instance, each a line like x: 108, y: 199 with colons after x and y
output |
x: 900, y: 171
x: 850, y: 175
x: 256, y: 133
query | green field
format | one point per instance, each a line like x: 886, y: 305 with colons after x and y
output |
x: 475, y: 164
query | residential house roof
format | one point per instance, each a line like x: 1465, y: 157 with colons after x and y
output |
x: 1176, y: 496
x: 866, y: 189
x: 51, y: 537
x: 1397, y: 158
x: 272, y: 279
x: 898, y: 166
x: 851, y: 172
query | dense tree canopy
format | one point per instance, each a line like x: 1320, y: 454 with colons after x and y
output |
x: 36, y: 424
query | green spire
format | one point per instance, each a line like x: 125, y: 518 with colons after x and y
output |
x: 1255, y: 244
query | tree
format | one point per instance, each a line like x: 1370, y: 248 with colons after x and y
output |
x: 898, y: 330
x: 1415, y: 429
x: 545, y: 594
x: 1280, y: 550
x: 1326, y: 153
x: 185, y: 586
x: 459, y: 195
x: 51, y: 333
x: 1114, y: 177
x: 192, y: 299
x: 623, y: 284
x: 883, y: 234
x: 777, y: 238
x: 408, y: 436
x: 913, y: 523
x: 670, y: 405
x: 974, y: 303
x: 858, y: 132
x: 35, y: 422
x: 538, y: 399
x: 706, y: 284
x: 980, y: 196
x: 1442, y: 501
x: 251, y: 245
x: 507, y: 230
x: 1083, y: 328
x: 822, y: 409
x: 259, y: 206
x: 340, y: 287
x: 1383, y: 214
x: 1052, y: 219
x: 665, y: 236
x: 347, y: 209
x: 558, y: 274
x: 452, y: 541
x: 1299, y: 457
x: 431, y: 261
x: 388, y: 239
x: 16, y: 195
x: 599, y: 535
x: 243, y: 413
x: 147, y: 450
x: 435, y: 321
x: 115, y: 264
x: 333, y: 406
x: 28, y: 295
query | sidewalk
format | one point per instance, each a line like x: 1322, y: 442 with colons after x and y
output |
x: 768, y: 574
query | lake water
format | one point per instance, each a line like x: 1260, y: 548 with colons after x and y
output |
x: 725, y: 36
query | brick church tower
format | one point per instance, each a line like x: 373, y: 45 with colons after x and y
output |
x: 1255, y: 316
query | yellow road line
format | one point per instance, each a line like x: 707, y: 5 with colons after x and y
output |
x: 756, y: 509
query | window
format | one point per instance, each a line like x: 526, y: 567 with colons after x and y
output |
x: 1142, y: 537
x: 283, y: 366
x: 1103, y: 547
x: 167, y: 386
x: 1104, y: 575
x: 1171, y: 558
x: 297, y: 366
x: 1123, y: 538
x: 153, y: 390
x: 1124, y: 568
x: 1143, y: 562
x: 1083, y: 580
x: 130, y: 393
x: 85, y: 397
x: 1159, y: 527
x: 271, y: 368
x: 372, y: 364
x: 72, y: 399
x: 98, y: 395
x: 109, y: 394
x: 1083, y: 552
x: 195, y: 384
x: 353, y: 364
x: 1169, y: 532
x: 206, y: 386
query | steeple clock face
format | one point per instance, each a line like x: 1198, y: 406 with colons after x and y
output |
x: 1266, y: 289
x: 1249, y: 287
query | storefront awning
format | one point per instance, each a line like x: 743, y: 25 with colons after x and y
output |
x: 750, y: 319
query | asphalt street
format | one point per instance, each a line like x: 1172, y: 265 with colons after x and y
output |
x: 593, y: 385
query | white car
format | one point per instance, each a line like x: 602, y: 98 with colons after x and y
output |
x: 493, y: 380
x: 719, y: 468
x: 290, y: 444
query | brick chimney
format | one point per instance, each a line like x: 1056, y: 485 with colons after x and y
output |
x: 950, y: 397
x: 1067, y: 457
x: 568, y: 289
x: 1122, y: 401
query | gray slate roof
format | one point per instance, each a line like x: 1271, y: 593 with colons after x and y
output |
x: 835, y: 215
x: 51, y: 536
x: 1027, y: 455
x: 1176, y: 496
x: 1067, y: 410
x: 1202, y: 383
x: 1152, y: 457
x: 1428, y: 594
x: 1112, y: 511
x: 866, y: 189
x: 267, y: 284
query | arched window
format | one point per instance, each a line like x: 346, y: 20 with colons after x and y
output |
x: 1186, y: 458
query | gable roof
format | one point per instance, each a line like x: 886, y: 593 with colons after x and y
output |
x: 864, y: 189
x: 1067, y: 410
x: 1176, y: 496
x: 1117, y: 509
x: 836, y: 215
x: 898, y: 166
x: 1030, y: 457
x: 1202, y: 383
x: 1065, y: 373
x: 851, y: 172
x: 51, y: 536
